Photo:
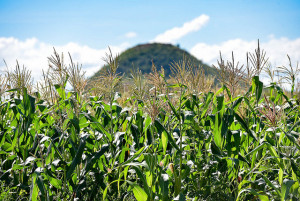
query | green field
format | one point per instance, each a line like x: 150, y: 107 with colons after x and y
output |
x: 158, y: 138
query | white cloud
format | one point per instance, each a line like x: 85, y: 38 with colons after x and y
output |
x: 171, y: 35
x: 131, y: 35
x: 276, y: 50
x: 33, y: 54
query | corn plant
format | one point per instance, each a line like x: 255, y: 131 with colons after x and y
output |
x: 289, y: 74
x: 170, y: 140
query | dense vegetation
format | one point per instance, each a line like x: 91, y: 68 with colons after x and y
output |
x: 167, y: 139
x: 142, y: 56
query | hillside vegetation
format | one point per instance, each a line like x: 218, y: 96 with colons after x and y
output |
x: 141, y: 56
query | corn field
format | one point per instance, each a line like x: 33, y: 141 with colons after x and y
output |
x: 149, y: 137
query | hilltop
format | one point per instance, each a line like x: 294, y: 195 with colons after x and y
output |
x: 141, y: 56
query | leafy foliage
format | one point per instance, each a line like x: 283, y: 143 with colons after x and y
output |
x: 162, y: 55
x: 169, y: 143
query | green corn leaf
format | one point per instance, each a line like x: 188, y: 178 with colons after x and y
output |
x: 34, y: 190
x: 164, y: 140
x: 217, y: 131
x: 291, y: 137
x: 253, y: 192
x: 220, y: 104
x: 164, y: 186
x: 237, y: 103
x: 177, y: 86
x: 280, y: 176
x: 275, y: 155
x: 257, y: 87
x: 106, y: 188
x: 142, y: 177
x: 244, y: 125
x: 295, y: 168
x: 41, y: 186
x: 136, y: 155
x: 161, y: 129
x: 173, y: 109
x: 98, y: 126
x: 136, y: 134
x: 77, y: 159
x: 207, y: 102
x: 228, y: 92
x: 285, y: 189
x: 55, y: 182
x: 139, y: 193
x: 75, y: 123
x: 271, y: 185
x: 95, y: 157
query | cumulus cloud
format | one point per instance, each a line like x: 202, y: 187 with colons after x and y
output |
x: 131, y: 35
x: 33, y: 54
x: 172, y: 35
x: 276, y: 49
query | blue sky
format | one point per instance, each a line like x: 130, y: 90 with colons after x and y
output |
x: 34, y: 27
